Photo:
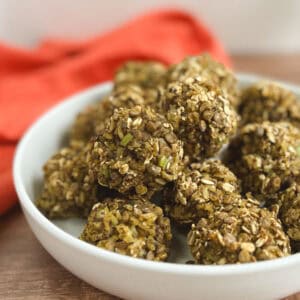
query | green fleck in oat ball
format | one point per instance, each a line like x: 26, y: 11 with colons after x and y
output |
x: 200, y: 191
x: 69, y: 188
x: 134, y: 228
x: 245, y: 233
x: 201, y: 116
x: 208, y: 69
x: 268, y: 101
x: 137, y: 153
x: 265, y: 157
x: 91, y: 121
x: 289, y: 212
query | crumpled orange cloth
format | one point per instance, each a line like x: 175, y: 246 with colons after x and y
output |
x: 31, y: 81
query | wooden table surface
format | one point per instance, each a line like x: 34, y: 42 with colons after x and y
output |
x: 27, y: 271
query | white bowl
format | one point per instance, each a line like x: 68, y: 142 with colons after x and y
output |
x: 124, y: 276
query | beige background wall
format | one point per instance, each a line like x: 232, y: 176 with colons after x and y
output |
x: 243, y: 25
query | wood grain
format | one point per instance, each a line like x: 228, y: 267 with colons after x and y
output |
x: 284, y: 67
x: 27, y: 271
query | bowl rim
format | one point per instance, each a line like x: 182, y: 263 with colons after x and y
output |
x: 126, y: 261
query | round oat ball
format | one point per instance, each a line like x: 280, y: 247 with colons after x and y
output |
x: 69, y: 188
x: 245, y: 233
x: 91, y: 120
x: 208, y: 69
x: 268, y: 101
x: 266, y: 157
x: 137, y: 153
x: 201, y: 116
x: 85, y: 124
x: 144, y: 74
x: 150, y: 76
x: 201, y: 190
x: 134, y: 228
x: 289, y: 212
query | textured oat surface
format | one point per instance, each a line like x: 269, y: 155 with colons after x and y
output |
x: 265, y: 157
x: 134, y: 228
x: 241, y: 234
x: 137, y: 154
x: 201, y: 116
x: 289, y: 211
x: 70, y: 189
x: 91, y: 121
x: 208, y: 69
x: 268, y: 101
x: 200, y: 190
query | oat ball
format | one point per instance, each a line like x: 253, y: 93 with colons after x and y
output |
x: 150, y: 76
x: 85, y: 125
x: 144, y: 74
x: 69, y: 188
x: 245, y: 233
x: 134, y: 228
x: 289, y: 212
x: 200, y: 191
x: 268, y: 101
x: 201, y: 116
x: 91, y: 120
x: 208, y: 69
x: 137, y: 153
x: 266, y: 157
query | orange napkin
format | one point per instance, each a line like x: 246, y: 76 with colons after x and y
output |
x: 31, y: 81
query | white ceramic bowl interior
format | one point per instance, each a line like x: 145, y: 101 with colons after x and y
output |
x: 124, y: 276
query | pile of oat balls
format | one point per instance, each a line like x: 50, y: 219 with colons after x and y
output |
x: 183, y: 147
